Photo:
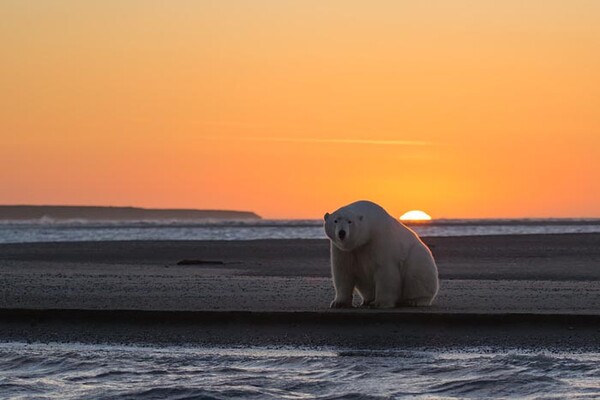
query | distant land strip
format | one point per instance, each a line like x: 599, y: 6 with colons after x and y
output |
x: 29, y: 212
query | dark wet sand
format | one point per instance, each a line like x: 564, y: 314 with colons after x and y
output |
x: 530, y: 290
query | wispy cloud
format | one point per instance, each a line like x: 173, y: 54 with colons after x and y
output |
x: 327, y: 140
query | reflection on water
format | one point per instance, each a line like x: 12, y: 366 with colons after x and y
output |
x: 104, y: 371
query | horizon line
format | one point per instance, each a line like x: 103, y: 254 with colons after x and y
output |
x: 296, y: 218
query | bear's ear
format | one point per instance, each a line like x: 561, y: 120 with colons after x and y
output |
x: 360, y: 217
x: 326, y: 216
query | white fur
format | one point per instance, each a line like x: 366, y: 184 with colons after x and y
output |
x: 382, y: 259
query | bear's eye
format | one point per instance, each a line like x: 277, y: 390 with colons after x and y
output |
x: 349, y: 222
x: 335, y: 222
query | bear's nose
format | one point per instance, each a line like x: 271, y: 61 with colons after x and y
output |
x: 342, y: 234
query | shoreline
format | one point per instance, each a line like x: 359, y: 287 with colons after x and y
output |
x: 533, y: 291
x: 340, y: 330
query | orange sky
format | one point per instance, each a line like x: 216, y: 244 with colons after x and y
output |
x: 291, y: 109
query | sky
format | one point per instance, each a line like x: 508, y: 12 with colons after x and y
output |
x: 463, y: 109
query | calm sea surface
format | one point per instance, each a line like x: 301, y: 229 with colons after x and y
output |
x: 61, y: 231
x: 69, y: 371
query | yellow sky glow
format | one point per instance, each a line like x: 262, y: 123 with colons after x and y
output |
x: 291, y: 109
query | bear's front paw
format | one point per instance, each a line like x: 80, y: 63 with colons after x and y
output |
x: 340, y: 304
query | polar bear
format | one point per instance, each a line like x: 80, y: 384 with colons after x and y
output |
x: 382, y: 259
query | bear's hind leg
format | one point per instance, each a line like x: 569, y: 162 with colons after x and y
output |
x: 367, y: 294
x: 387, y: 287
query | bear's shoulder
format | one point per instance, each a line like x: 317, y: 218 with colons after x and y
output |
x: 366, y: 208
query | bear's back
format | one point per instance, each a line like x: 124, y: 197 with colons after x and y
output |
x: 380, y: 218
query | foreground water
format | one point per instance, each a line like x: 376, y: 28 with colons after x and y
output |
x: 104, y: 371
x: 78, y: 230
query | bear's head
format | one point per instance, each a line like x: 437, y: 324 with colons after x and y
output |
x: 346, y: 229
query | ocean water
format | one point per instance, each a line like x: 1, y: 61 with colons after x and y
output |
x: 63, y: 231
x: 74, y: 371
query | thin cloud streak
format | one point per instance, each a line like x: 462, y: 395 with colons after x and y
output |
x: 333, y: 141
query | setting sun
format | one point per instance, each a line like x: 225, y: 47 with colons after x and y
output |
x: 415, y: 215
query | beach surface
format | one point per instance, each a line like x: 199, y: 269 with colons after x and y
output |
x: 523, y: 289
